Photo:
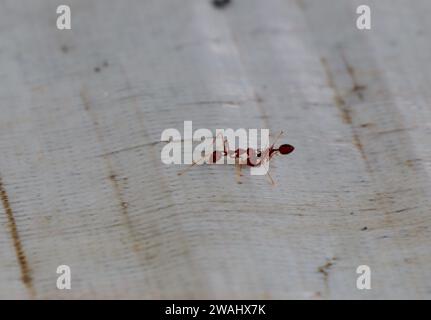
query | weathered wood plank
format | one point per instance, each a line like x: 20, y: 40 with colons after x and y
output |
x: 82, y: 184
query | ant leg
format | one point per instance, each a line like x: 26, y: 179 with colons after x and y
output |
x: 227, y: 150
x: 270, y: 179
x: 266, y: 154
x: 190, y: 166
x: 238, y: 173
x: 196, y: 162
x: 276, y: 139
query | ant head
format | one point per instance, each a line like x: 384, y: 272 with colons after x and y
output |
x: 286, y: 148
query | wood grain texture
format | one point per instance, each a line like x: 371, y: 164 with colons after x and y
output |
x: 82, y: 184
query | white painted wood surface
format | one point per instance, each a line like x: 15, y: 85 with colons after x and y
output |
x: 82, y: 184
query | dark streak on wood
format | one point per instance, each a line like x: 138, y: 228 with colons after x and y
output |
x: 220, y: 4
x: 130, y: 148
x: 411, y: 162
x: 154, y: 158
x: 369, y: 209
x: 324, y: 270
x: 123, y: 205
x: 357, y: 142
x: 256, y: 99
x: 366, y: 125
x: 19, y: 250
x: 403, y: 210
x: 393, y: 131
x: 346, y: 113
x: 338, y: 99
x: 211, y: 102
x: 356, y: 88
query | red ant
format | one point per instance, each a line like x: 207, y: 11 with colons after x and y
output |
x: 253, y: 158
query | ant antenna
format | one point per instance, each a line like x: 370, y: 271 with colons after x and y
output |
x: 188, y: 168
x: 267, y: 152
x: 203, y: 158
x: 278, y: 137
x: 270, y: 179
